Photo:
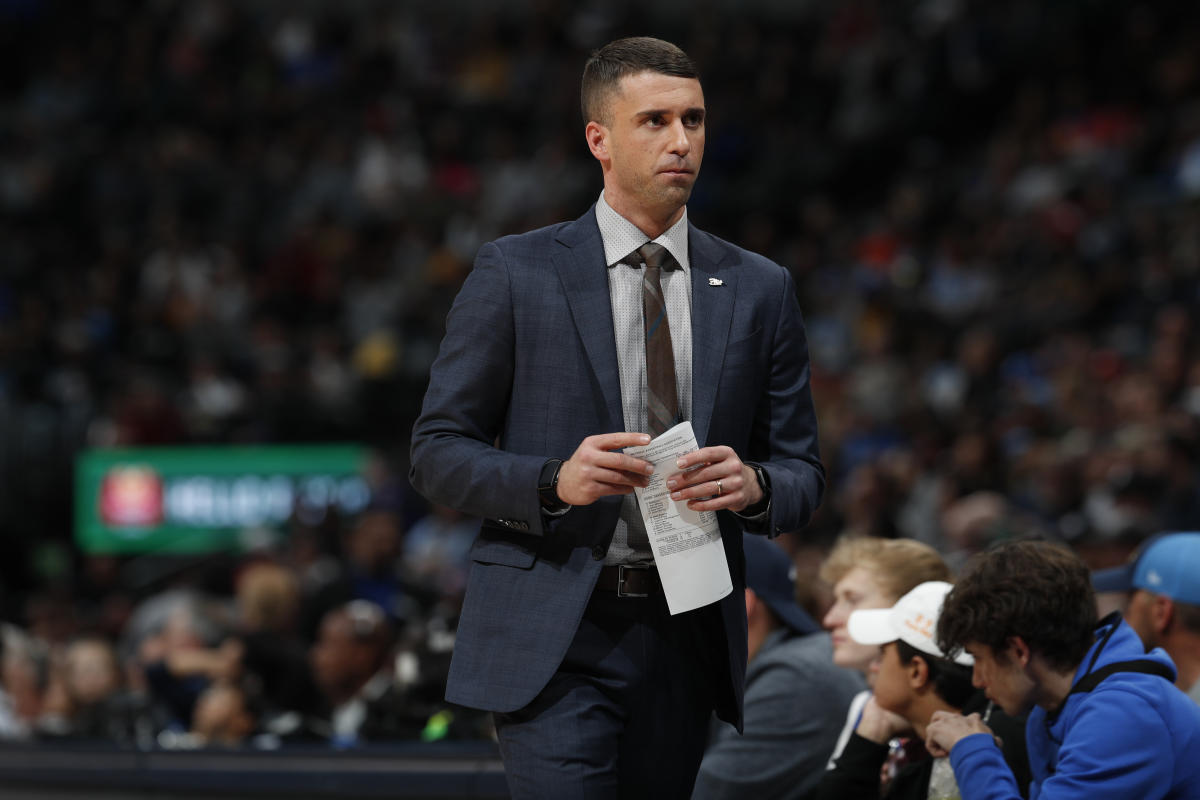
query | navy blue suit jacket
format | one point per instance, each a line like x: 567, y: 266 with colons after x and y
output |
x: 527, y: 370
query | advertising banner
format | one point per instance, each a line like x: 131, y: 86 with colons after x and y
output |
x: 205, y: 499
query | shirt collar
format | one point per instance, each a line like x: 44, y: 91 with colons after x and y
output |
x: 621, y: 237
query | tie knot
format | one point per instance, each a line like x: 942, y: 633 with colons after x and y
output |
x: 651, y: 254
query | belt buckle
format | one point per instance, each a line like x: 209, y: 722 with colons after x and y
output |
x: 621, y: 569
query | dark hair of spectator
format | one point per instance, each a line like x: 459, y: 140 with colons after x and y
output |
x: 951, y: 682
x: 1037, y: 590
x: 607, y: 66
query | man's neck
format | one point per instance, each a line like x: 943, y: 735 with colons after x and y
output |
x: 1184, y: 650
x: 652, y: 222
x: 922, y: 710
x: 1053, y: 685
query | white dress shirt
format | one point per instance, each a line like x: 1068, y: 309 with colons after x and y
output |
x: 621, y: 237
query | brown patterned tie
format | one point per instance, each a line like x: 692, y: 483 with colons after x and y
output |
x: 662, y: 400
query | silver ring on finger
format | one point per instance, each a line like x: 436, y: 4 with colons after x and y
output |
x: 720, y: 491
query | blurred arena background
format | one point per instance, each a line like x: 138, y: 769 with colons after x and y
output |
x: 239, y: 225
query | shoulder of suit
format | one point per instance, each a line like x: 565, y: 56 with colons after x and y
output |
x: 538, y: 236
x: 732, y: 253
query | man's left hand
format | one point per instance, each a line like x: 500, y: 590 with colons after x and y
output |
x: 713, y: 478
x: 946, y: 728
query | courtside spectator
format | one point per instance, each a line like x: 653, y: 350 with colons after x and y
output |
x: 1105, y: 720
x: 1163, y: 585
x: 869, y: 572
x: 913, y: 679
x: 353, y: 667
x: 86, y: 697
x: 796, y: 697
x: 226, y: 715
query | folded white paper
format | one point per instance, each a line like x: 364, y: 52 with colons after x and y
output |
x: 686, y: 544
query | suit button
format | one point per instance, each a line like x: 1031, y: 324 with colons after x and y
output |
x: 599, y: 551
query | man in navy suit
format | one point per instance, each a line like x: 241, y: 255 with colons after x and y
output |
x: 545, y: 375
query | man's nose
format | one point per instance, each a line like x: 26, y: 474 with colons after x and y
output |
x: 832, y: 617
x: 680, y: 143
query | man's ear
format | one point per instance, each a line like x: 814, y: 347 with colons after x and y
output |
x: 1162, y: 612
x: 918, y: 672
x: 597, y: 140
x: 1018, y: 650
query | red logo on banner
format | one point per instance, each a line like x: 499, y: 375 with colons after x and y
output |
x: 131, y: 496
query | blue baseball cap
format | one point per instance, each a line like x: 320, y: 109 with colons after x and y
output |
x: 1168, y: 564
x: 770, y: 574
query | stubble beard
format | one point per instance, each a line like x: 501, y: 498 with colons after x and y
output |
x: 666, y: 199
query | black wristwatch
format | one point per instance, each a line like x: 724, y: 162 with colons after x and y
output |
x: 548, y: 487
x: 764, y: 483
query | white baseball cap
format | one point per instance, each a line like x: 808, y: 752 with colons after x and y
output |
x: 912, y: 620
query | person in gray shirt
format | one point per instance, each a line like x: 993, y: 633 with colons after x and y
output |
x: 796, y: 698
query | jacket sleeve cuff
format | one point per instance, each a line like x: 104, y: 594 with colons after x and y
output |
x: 980, y: 769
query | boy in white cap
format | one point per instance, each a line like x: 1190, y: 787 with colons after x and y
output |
x: 913, y: 680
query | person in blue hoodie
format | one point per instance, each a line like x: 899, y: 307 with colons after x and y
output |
x: 1105, y: 720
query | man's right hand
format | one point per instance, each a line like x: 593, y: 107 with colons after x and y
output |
x: 947, y: 728
x: 595, y: 470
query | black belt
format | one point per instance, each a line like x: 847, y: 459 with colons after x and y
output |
x: 626, y: 580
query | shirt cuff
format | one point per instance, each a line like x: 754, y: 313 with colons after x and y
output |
x: 759, y: 519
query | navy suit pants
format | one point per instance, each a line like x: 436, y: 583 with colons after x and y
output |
x: 627, y: 713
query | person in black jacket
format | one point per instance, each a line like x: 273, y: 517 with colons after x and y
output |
x: 884, y: 756
x: 351, y: 662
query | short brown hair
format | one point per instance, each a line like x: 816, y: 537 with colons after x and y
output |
x: 1040, y: 591
x: 899, y: 565
x: 607, y: 66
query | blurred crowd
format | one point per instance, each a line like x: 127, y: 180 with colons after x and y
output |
x: 244, y: 222
x: 280, y: 646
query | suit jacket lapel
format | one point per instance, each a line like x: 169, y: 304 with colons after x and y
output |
x: 712, y: 310
x: 581, y: 269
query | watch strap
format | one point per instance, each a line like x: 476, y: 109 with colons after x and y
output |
x: 548, y: 487
x: 764, y: 483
